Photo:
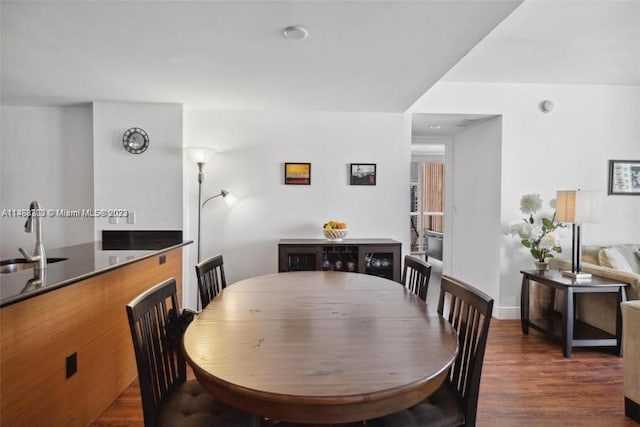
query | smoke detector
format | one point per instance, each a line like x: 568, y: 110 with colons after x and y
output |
x: 295, y: 32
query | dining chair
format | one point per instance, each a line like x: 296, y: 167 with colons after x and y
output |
x: 415, y: 276
x: 211, y: 280
x: 455, y: 403
x: 168, y: 399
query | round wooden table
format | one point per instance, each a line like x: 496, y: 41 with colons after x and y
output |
x: 319, y: 347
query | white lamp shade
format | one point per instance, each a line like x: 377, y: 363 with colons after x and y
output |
x: 200, y: 154
x: 229, y: 198
x: 578, y: 207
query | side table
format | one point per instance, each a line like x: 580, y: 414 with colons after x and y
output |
x: 564, y: 326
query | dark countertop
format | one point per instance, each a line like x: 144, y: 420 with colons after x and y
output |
x: 84, y: 261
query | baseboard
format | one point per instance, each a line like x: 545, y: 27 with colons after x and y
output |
x: 501, y: 312
x: 632, y: 409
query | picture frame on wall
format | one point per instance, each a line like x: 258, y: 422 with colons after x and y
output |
x: 363, y: 174
x: 297, y: 173
x: 624, y: 177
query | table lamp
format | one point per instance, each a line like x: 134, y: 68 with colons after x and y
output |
x: 578, y: 207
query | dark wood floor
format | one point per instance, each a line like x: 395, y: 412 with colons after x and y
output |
x: 525, y: 382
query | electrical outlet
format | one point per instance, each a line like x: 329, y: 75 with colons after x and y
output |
x: 131, y: 218
x: 72, y: 364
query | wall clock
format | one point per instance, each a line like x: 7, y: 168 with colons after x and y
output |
x: 135, y: 140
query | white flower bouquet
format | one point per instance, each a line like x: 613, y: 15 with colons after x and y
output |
x: 537, y: 233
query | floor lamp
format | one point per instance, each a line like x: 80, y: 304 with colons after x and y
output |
x: 200, y: 156
x: 578, y: 207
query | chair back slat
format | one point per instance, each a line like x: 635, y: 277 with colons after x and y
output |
x: 469, y: 312
x: 415, y: 276
x: 211, y: 279
x: 153, y: 320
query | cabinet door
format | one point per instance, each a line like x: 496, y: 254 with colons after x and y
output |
x: 380, y: 260
x: 299, y: 258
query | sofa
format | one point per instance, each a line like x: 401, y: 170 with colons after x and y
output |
x: 618, y: 262
x: 631, y: 355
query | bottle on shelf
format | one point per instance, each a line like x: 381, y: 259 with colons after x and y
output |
x: 326, y: 265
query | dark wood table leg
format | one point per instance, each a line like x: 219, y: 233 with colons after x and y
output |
x: 524, y: 304
x: 567, y: 323
x: 622, y: 296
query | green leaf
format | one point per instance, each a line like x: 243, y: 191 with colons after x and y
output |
x: 547, y: 222
x: 526, y: 243
x: 531, y: 219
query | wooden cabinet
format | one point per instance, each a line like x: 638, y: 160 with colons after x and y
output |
x: 86, y: 320
x: 378, y: 257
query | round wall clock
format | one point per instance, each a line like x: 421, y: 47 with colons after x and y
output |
x: 135, y: 140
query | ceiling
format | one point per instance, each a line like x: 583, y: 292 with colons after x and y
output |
x: 360, y: 55
x: 547, y: 42
x: 559, y: 42
x: 366, y: 55
x: 435, y: 126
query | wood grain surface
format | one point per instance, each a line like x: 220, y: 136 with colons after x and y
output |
x: 87, y: 318
x: 319, y: 347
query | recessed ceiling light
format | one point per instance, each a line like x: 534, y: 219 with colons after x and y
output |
x: 435, y: 127
x: 295, y: 32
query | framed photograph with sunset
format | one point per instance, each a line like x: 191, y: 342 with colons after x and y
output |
x: 297, y: 173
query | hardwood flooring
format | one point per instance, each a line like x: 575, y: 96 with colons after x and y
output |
x: 525, y: 382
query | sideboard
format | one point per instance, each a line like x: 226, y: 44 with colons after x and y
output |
x: 378, y: 257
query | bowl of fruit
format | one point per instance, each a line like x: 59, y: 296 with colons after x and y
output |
x: 335, y: 230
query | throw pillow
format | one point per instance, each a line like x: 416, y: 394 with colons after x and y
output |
x: 628, y: 251
x: 612, y: 258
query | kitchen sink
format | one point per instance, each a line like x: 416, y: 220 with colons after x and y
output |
x: 17, y: 264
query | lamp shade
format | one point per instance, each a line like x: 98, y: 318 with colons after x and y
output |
x: 578, y: 207
x: 229, y: 199
x: 200, y: 154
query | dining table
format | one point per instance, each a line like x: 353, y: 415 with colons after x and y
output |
x: 319, y: 347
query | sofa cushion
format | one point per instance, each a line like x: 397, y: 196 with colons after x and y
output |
x: 590, y: 254
x: 631, y: 358
x: 612, y: 258
x: 630, y: 253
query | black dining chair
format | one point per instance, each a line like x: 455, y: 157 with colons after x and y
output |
x: 168, y: 399
x: 416, y: 275
x: 211, y: 280
x: 455, y: 403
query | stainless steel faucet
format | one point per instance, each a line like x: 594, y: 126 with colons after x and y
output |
x: 39, y: 258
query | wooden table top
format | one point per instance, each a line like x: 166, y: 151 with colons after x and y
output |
x: 319, y: 347
x: 558, y: 279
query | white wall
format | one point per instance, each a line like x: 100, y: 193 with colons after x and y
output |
x: 253, y: 147
x: 46, y: 155
x: 542, y: 153
x: 150, y: 183
x: 472, y: 191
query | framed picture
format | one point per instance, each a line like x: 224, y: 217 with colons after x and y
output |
x: 363, y: 174
x: 297, y: 173
x: 624, y: 177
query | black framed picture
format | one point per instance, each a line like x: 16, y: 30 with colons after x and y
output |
x: 624, y: 177
x: 297, y: 173
x: 363, y: 174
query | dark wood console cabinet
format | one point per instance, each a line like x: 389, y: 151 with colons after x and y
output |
x: 378, y: 257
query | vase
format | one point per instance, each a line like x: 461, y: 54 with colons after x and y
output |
x: 541, y: 265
